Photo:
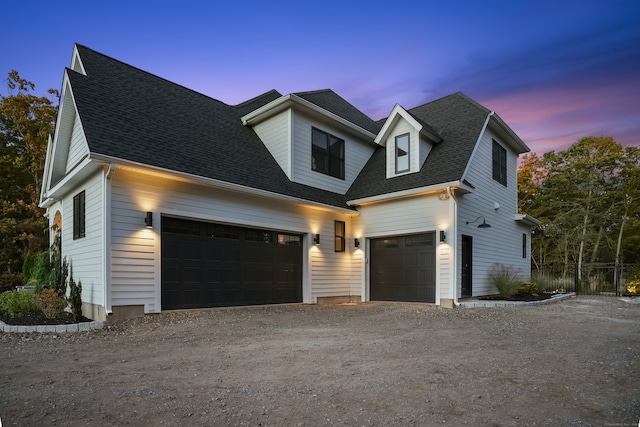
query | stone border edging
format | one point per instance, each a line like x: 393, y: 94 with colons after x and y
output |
x: 489, y: 303
x: 72, y: 327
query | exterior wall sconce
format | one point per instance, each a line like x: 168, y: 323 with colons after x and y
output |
x: 483, y: 225
x: 356, y: 243
x: 148, y: 220
x: 443, y: 237
x: 316, y: 239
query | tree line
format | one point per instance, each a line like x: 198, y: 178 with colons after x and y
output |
x: 588, y: 199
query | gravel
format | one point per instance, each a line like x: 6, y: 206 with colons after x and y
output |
x: 574, y: 363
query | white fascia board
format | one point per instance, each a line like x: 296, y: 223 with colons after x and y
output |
x: 475, y: 147
x: 79, y: 172
x: 514, y: 140
x: 288, y: 101
x: 392, y: 120
x: 406, y: 193
x: 46, y: 173
x: 75, y: 58
x: 528, y: 220
x: 215, y: 183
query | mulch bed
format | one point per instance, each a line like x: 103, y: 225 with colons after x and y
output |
x: 40, y: 319
x: 518, y: 297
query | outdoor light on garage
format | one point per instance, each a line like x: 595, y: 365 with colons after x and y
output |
x: 316, y: 239
x: 148, y: 220
x: 443, y: 237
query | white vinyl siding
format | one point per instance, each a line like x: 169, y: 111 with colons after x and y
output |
x: 503, y: 241
x: 275, y: 133
x: 85, y: 255
x: 425, y: 149
x: 78, y: 146
x: 135, y: 255
x: 356, y: 154
x: 402, y: 127
x: 410, y: 216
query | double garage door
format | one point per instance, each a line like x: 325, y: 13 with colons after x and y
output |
x: 403, y: 268
x: 218, y: 265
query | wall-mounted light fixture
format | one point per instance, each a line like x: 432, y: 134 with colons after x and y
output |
x: 356, y: 243
x: 148, y: 220
x: 316, y: 239
x: 443, y: 237
x: 483, y: 225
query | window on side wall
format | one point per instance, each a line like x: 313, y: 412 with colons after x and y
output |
x: 340, y: 236
x: 78, y: 215
x: 327, y: 153
x: 402, y: 153
x: 499, y: 163
x: 524, y: 245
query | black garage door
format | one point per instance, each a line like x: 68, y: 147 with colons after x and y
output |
x: 217, y: 265
x: 403, y: 268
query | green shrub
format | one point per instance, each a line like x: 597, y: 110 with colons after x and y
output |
x: 528, y: 288
x: 18, y: 303
x: 505, y: 279
x: 36, y: 270
x: 51, y: 304
x: 75, y: 298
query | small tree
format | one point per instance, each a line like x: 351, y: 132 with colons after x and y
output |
x: 59, y: 265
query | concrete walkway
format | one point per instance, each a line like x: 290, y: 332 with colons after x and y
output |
x: 474, y: 303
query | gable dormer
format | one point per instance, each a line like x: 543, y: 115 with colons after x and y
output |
x: 317, y: 138
x: 408, y: 141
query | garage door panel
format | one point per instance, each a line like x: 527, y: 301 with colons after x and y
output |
x: 211, y: 265
x: 403, y: 268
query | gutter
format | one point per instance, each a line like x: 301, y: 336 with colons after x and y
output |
x: 451, y: 194
x: 107, y: 238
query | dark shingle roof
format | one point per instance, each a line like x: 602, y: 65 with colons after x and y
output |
x: 331, y: 101
x: 458, y: 120
x: 135, y: 116
x: 132, y: 115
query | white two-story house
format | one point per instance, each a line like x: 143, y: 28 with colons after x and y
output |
x: 169, y: 199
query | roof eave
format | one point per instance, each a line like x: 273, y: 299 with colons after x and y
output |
x: 518, y: 144
x: 216, y: 183
x: 430, y: 189
x: 528, y: 220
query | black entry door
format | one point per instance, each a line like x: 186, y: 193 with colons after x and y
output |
x: 467, y: 258
x: 403, y: 268
x: 216, y: 265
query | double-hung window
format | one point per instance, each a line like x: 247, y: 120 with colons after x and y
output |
x: 327, y: 153
x: 499, y: 156
x: 78, y: 215
x: 402, y: 153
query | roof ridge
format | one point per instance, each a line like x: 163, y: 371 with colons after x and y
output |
x: 148, y: 73
x: 255, y: 98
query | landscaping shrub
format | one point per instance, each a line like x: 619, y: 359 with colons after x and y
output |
x: 51, y: 304
x: 19, y: 303
x: 505, y: 279
x: 75, y: 298
x: 634, y: 286
x: 528, y: 288
x: 37, y: 270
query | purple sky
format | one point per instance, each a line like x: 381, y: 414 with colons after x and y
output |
x: 555, y: 71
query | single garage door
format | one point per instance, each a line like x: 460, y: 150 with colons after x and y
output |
x: 403, y: 268
x: 218, y: 265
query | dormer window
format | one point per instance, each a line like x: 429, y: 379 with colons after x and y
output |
x: 327, y: 153
x: 402, y: 153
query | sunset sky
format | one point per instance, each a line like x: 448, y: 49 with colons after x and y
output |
x: 555, y: 71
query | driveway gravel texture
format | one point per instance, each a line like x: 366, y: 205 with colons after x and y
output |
x: 570, y: 363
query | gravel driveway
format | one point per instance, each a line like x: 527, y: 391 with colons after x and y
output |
x: 575, y: 362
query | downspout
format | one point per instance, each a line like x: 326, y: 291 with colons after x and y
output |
x: 454, y: 227
x: 107, y: 238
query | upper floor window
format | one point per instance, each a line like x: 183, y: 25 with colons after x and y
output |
x: 499, y: 157
x: 327, y: 153
x: 78, y: 215
x: 402, y: 153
